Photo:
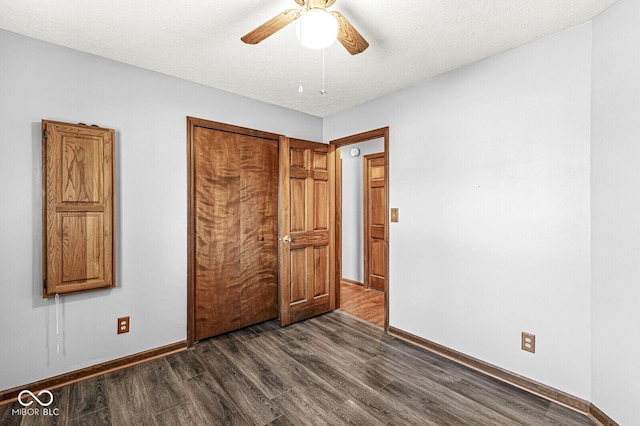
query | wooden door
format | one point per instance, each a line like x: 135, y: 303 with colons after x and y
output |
x: 307, y: 221
x: 259, y: 229
x: 233, y: 231
x: 78, y: 204
x: 374, y: 221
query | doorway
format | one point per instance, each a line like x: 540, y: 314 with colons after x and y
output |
x: 359, y: 257
x: 261, y: 228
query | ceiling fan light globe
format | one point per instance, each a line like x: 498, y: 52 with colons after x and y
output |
x: 317, y: 29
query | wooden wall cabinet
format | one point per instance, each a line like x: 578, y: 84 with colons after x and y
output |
x: 78, y: 208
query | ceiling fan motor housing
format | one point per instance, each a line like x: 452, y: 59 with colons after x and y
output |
x: 318, y: 4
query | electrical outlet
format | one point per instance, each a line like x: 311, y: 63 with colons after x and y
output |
x: 123, y: 325
x: 528, y: 342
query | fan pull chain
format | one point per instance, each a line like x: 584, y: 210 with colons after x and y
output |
x: 300, y: 70
x: 323, y: 91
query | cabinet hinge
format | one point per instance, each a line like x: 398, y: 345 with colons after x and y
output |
x: 45, y: 283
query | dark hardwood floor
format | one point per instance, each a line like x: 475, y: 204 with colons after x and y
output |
x: 332, y: 369
x: 364, y: 303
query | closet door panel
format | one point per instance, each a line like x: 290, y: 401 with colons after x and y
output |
x: 218, y: 281
x: 233, y: 218
x: 259, y: 229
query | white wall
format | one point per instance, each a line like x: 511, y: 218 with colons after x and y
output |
x: 148, y: 111
x: 615, y: 177
x: 352, y: 208
x: 489, y: 166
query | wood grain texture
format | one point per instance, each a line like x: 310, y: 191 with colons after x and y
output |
x: 78, y: 208
x: 338, y: 223
x: 375, y: 214
x: 82, y: 159
x: 208, y: 404
x: 331, y: 369
x: 361, y: 302
x: 233, y: 209
x: 307, y: 262
x: 87, y: 397
x: 270, y: 27
x: 348, y: 36
x: 218, y: 281
x: 259, y: 229
x: 128, y: 396
x: 67, y: 379
x: 241, y: 391
x: 600, y: 417
x: 193, y: 124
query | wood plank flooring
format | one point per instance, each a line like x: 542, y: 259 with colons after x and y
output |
x: 364, y: 303
x: 333, y: 369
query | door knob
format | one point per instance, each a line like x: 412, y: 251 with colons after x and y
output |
x: 260, y: 238
x: 286, y: 239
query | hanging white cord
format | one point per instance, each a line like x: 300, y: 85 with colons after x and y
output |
x: 57, y: 324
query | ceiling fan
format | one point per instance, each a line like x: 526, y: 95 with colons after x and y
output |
x: 347, y: 35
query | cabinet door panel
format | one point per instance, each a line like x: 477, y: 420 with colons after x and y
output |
x: 82, y: 240
x: 78, y: 219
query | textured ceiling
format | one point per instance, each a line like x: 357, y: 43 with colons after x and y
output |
x: 199, y: 40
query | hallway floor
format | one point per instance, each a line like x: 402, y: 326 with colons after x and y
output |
x: 366, y: 304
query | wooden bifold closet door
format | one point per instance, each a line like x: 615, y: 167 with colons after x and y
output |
x: 233, y: 227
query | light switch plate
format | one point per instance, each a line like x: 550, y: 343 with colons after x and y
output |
x: 395, y: 212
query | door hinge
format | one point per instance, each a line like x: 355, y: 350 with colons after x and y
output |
x: 45, y: 133
x: 45, y: 283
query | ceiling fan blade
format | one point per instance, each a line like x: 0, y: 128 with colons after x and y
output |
x: 350, y: 38
x: 271, y: 26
